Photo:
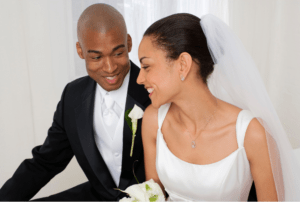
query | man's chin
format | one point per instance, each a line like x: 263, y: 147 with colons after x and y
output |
x: 110, y: 87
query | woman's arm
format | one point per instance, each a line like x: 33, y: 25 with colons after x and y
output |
x: 258, y: 155
x: 149, y: 132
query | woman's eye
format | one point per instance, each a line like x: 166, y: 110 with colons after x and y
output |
x: 145, y: 67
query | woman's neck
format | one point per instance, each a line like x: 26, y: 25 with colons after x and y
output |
x: 195, y: 107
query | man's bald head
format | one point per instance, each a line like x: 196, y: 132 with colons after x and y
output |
x: 104, y: 44
x: 100, y: 18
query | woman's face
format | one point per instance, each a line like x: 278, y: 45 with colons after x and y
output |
x: 159, y: 76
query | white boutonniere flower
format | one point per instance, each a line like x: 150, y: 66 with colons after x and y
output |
x: 147, y: 191
x: 135, y: 114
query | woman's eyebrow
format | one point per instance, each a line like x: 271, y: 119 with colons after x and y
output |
x: 142, y: 59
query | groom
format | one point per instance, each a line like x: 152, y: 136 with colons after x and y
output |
x: 89, y: 120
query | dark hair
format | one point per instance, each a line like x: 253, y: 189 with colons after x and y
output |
x: 180, y: 33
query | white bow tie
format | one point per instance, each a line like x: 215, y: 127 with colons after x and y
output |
x: 110, y: 117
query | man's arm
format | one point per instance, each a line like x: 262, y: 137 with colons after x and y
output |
x: 48, y: 160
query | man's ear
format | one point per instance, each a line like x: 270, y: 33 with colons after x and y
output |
x: 185, y: 60
x: 129, y: 43
x: 79, y: 50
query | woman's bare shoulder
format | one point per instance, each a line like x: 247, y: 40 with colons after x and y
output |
x: 229, y: 112
x: 255, y: 142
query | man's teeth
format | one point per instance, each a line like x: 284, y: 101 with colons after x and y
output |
x: 111, y: 78
x: 150, y: 90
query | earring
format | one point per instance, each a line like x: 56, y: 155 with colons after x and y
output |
x: 182, y: 78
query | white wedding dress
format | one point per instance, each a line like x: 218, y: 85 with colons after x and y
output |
x: 228, y: 179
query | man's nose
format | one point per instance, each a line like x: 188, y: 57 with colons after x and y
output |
x: 109, y: 65
x: 141, y: 77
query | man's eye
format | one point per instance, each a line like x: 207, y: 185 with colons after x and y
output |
x: 119, y: 54
x: 96, y: 58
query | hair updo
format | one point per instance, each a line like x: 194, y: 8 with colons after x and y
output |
x: 180, y: 33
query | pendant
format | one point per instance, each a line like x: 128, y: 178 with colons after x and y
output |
x: 193, y: 144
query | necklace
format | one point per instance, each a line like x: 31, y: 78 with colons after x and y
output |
x: 194, y: 141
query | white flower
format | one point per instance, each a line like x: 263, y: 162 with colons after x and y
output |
x: 136, y: 113
x: 144, y: 192
x: 154, y: 190
x: 135, y: 191
x: 127, y: 199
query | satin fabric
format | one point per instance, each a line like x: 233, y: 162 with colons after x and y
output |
x: 227, y: 179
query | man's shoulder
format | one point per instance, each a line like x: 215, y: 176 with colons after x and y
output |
x: 80, y: 87
x: 81, y: 82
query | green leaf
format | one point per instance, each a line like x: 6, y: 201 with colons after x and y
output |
x: 135, y: 200
x: 148, y: 187
x: 153, y: 198
x: 128, y: 119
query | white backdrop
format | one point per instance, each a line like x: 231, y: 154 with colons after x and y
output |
x: 38, y: 58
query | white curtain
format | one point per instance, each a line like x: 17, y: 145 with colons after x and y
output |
x: 38, y: 58
x: 36, y: 62
x: 270, y: 30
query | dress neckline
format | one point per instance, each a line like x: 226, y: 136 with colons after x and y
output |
x: 214, y: 163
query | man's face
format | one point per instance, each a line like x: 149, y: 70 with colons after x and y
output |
x: 106, y: 56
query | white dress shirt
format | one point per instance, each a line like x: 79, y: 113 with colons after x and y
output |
x: 111, y: 145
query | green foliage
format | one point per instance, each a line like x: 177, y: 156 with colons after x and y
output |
x: 128, y: 119
x: 148, y: 187
x: 153, y: 198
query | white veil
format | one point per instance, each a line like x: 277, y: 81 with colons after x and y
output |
x: 236, y: 80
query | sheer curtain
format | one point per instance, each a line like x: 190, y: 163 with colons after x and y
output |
x: 36, y: 62
x: 38, y: 58
x: 269, y: 29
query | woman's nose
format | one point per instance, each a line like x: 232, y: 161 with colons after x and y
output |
x: 141, y: 78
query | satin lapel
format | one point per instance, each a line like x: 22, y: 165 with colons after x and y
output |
x: 84, y: 121
x: 139, y: 96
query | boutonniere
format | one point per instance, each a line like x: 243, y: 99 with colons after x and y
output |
x: 131, y: 117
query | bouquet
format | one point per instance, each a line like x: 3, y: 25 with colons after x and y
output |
x: 147, y: 191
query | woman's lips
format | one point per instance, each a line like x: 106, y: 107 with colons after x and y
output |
x: 150, y: 90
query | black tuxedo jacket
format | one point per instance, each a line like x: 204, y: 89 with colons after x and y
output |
x: 72, y: 134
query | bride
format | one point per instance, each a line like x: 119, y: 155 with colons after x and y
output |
x: 211, y: 129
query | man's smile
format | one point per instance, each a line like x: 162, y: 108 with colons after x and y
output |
x: 112, y: 79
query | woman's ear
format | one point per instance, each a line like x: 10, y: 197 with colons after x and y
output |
x: 185, y: 61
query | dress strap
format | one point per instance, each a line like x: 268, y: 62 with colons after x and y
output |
x: 242, y: 122
x: 162, y: 112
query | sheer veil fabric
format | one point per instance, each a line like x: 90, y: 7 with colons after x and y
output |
x: 236, y: 80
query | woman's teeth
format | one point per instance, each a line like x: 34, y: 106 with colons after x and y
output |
x: 150, y: 90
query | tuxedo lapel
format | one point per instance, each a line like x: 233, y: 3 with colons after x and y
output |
x: 139, y: 96
x: 84, y: 121
x: 136, y: 94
